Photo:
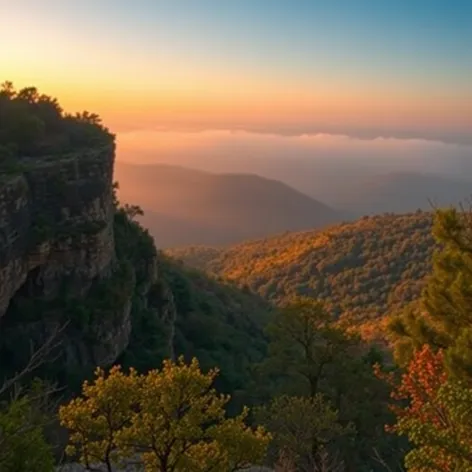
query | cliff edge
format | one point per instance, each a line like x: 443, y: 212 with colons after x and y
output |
x: 61, y: 267
x: 56, y: 222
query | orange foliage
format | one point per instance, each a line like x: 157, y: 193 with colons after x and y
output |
x: 419, y: 385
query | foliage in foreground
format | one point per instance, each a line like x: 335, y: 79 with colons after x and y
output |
x: 436, y: 416
x: 435, y: 346
x: 167, y: 420
x: 23, y: 447
x: 445, y: 321
x: 304, y: 430
x: 312, y: 358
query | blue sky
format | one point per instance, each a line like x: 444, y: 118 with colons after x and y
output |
x: 416, y: 51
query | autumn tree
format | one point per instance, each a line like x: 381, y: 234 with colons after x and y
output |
x: 97, y: 417
x: 433, y: 410
x: 434, y: 345
x: 168, y: 420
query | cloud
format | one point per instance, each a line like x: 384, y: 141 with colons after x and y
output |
x: 447, y: 135
x: 210, y: 146
x: 321, y: 165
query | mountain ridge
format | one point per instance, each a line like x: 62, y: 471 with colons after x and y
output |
x: 186, y: 206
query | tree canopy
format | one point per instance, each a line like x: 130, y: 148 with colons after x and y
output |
x: 34, y: 124
x: 168, y: 420
x: 362, y: 270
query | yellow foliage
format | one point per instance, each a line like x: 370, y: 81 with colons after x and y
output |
x: 170, y: 419
x: 95, y: 419
x: 363, y: 270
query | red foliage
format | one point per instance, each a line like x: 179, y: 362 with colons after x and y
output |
x: 419, y: 386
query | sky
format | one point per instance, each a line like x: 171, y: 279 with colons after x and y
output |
x: 360, y: 68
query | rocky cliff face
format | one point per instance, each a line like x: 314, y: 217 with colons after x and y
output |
x: 56, y: 221
x: 59, y: 264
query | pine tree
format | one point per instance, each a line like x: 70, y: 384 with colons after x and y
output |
x: 444, y: 320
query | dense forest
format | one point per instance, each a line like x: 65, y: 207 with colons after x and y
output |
x: 363, y: 270
x: 232, y: 320
x: 225, y: 379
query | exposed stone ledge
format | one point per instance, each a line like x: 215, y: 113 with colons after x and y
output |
x: 49, y: 194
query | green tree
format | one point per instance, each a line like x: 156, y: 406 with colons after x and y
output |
x: 310, y: 353
x: 23, y: 447
x: 303, y: 429
x: 444, y: 319
x: 34, y: 124
x: 26, y: 410
x: 304, y: 341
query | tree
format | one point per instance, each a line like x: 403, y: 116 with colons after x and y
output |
x: 25, y: 412
x: 169, y: 420
x: 444, y: 320
x: 304, y: 341
x: 436, y: 416
x: 132, y: 211
x: 23, y: 447
x: 95, y: 419
x: 34, y: 124
x: 310, y: 353
x: 304, y: 430
x: 7, y: 90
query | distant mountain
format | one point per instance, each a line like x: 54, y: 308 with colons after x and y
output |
x: 401, y: 193
x: 186, y: 206
x: 364, y: 270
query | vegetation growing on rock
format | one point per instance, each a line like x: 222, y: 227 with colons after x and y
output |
x: 34, y: 124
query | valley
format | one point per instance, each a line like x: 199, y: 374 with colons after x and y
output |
x: 194, y: 336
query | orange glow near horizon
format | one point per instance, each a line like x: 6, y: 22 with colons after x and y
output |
x: 129, y: 92
x: 140, y: 69
x: 227, y: 103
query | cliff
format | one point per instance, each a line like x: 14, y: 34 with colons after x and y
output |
x: 60, y: 267
x: 56, y: 221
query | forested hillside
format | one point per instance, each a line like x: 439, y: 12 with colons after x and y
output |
x: 192, y: 371
x: 363, y: 269
x: 217, y: 322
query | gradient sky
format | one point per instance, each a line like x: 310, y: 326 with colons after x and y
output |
x: 364, y: 68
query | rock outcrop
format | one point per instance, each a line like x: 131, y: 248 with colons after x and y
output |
x: 56, y: 221
x: 59, y: 264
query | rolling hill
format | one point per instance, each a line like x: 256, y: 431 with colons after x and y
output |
x: 185, y: 206
x: 364, y: 269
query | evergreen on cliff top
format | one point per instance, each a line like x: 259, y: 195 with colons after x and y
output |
x: 34, y: 124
